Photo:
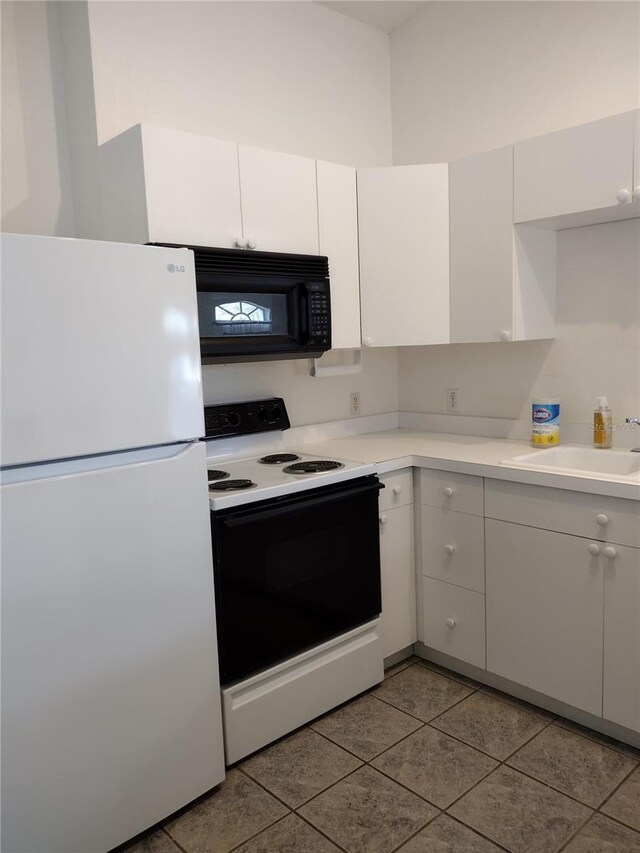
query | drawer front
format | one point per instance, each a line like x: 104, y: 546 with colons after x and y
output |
x: 460, y: 492
x: 398, y: 489
x: 454, y: 621
x: 453, y: 547
x: 592, y: 516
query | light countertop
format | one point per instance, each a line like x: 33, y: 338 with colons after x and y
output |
x: 467, y: 454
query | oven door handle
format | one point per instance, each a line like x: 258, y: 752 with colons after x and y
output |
x: 248, y: 516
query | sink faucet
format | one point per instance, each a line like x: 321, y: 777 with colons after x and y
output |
x: 635, y: 421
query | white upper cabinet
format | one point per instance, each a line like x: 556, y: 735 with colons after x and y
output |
x: 161, y: 185
x: 165, y: 186
x: 404, y: 255
x: 503, y: 280
x: 279, y: 201
x: 338, y: 232
x: 579, y: 176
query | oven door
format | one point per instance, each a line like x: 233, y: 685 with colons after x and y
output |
x: 294, y: 572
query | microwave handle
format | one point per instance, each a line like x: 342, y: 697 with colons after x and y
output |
x: 304, y: 314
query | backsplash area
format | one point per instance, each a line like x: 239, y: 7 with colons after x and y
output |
x: 596, y: 351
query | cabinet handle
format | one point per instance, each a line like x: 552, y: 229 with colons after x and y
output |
x: 451, y: 623
x: 623, y: 195
x: 448, y: 491
x: 602, y: 519
x: 505, y: 335
x: 251, y: 244
x: 384, y: 519
x: 636, y: 193
x: 594, y: 549
x: 610, y: 553
x: 240, y: 243
x: 449, y: 548
x: 368, y: 342
x: 397, y: 490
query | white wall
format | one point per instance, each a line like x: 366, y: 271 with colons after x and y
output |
x: 291, y: 76
x: 470, y: 76
x: 36, y: 181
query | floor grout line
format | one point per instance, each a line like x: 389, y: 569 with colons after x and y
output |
x: 172, y: 840
x: 257, y: 834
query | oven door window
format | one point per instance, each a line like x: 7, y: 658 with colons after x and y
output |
x: 295, y: 574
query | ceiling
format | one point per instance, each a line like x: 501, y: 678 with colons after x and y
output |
x: 386, y: 15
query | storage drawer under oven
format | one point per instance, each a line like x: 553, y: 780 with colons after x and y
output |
x: 291, y: 573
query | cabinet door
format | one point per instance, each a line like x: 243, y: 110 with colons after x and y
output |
x: 398, y: 580
x: 575, y: 170
x: 636, y: 159
x: 338, y: 232
x: 403, y: 215
x: 279, y: 201
x: 192, y: 188
x: 545, y: 596
x: 621, y: 701
x: 481, y: 222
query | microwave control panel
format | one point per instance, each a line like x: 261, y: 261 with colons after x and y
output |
x: 319, y: 314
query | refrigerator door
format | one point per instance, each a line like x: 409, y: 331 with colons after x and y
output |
x: 111, y: 706
x: 100, y: 348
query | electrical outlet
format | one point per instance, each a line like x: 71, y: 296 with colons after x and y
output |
x: 354, y: 403
x: 452, y: 399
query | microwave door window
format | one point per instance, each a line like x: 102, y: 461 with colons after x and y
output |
x: 231, y: 315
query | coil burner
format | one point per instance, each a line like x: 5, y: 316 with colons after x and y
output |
x: 278, y: 458
x: 313, y: 466
x: 232, y: 485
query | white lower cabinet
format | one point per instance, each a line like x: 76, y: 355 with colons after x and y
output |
x: 621, y: 696
x: 545, y: 595
x: 397, y: 563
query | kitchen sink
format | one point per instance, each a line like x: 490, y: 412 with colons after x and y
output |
x: 583, y: 460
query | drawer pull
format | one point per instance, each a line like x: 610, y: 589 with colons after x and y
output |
x: 602, y: 519
x: 594, y: 549
x: 448, y: 491
x: 610, y: 553
x: 384, y: 519
x: 451, y: 623
x: 449, y: 548
x: 397, y: 490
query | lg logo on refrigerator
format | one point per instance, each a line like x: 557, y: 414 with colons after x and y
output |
x: 175, y: 267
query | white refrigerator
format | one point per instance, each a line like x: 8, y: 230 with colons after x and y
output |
x: 110, y: 692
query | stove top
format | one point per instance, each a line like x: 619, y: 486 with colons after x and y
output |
x: 234, y: 481
x: 248, y: 461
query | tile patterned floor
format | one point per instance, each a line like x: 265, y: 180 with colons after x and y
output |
x: 427, y: 762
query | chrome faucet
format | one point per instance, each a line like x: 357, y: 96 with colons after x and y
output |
x: 635, y: 421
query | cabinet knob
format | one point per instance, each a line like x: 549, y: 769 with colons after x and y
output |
x: 451, y: 623
x: 610, y: 553
x: 397, y: 490
x: 251, y: 244
x: 505, y: 335
x: 636, y: 193
x: 449, y: 548
x: 368, y: 342
x: 240, y: 243
x: 602, y: 519
x: 448, y: 491
x: 594, y: 549
x: 623, y: 195
x: 384, y: 519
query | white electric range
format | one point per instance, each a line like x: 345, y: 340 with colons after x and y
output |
x: 297, y: 575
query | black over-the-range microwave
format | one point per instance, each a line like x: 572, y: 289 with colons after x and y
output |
x: 257, y: 306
